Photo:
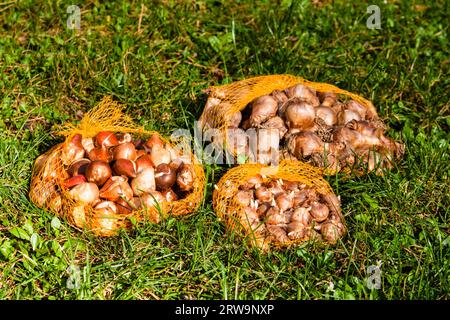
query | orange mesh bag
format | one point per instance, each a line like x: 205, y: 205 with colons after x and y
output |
x: 251, y: 199
x: 50, y: 180
x: 360, y: 132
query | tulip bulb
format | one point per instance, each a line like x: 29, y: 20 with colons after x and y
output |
x: 331, y: 232
x: 284, y: 201
x: 274, y: 216
x: 327, y: 98
x: 125, y: 167
x: 303, y: 93
x: 105, y: 216
x: 98, y: 172
x: 169, y: 195
x: 72, y: 150
x: 144, y: 162
x: 152, y: 199
x: 327, y: 115
x: 85, y: 192
x: 235, y: 120
x: 73, y: 181
x: 346, y: 116
x: 280, y: 97
x: 244, y: 197
x: 301, y: 215
x: 116, y: 187
x: 304, y: 144
x: 354, y: 106
x: 278, y: 233
x: 125, y: 150
x: 88, y: 144
x: 319, y: 211
x: 263, y: 108
x: 300, y: 115
x: 165, y: 177
x: 106, y: 139
x: 276, y: 123
x: 296, y: 230
x: 159, y: 155
x: 185, y: 177
x: 154, y: 140
x: 144, y: 182
x: 253, y: 182
x: 263, y: 194
x: 78, y: 167
x: 100, y: 154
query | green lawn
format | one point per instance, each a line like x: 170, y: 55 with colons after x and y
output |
x: 158, y: 66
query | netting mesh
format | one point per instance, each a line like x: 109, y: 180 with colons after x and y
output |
x: 49, y: 173
x: 225, y: 100
x: 229, y: 210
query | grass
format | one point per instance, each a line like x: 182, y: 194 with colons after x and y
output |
x: 158, y: 66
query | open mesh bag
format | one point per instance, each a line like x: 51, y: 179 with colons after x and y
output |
x: 236, y: 216
x: 50, y: 171
x: 226, y: 100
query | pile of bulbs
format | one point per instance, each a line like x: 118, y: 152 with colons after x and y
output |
x: 117, y: 174
x: 317, y: 128
x: 281, y: 211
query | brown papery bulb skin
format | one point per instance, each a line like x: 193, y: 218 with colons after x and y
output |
x: 330, y: 232
x: 327, y: 99
x: 125, y: 167
x: 300, y: 115
x: 304, y: 144
x: 235, y: 120
x: 296, y: 230
x: 346, y: 116
x: 284, y: 201
x: 263, y: 194
x: 327, y: 115
x: 262, y: 209
x: 100, y: 154
x: 304, y: 93
x: 253, y: 182
x: 98, y: 172
x: 278, y: 233
x: 78, y: 167
x: 165, y: 177
x: 354, y: 106
x: 106, y: 139
x: 263, y: 108
x: 185, y: 177
x: 319, y: 211
x: 244, y: 197
x: 280, y: 97
x: 125, y: 150
x: 301, y: 215
x: 85, y: 192
x: 276, y: 123
x: 274, y: 216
